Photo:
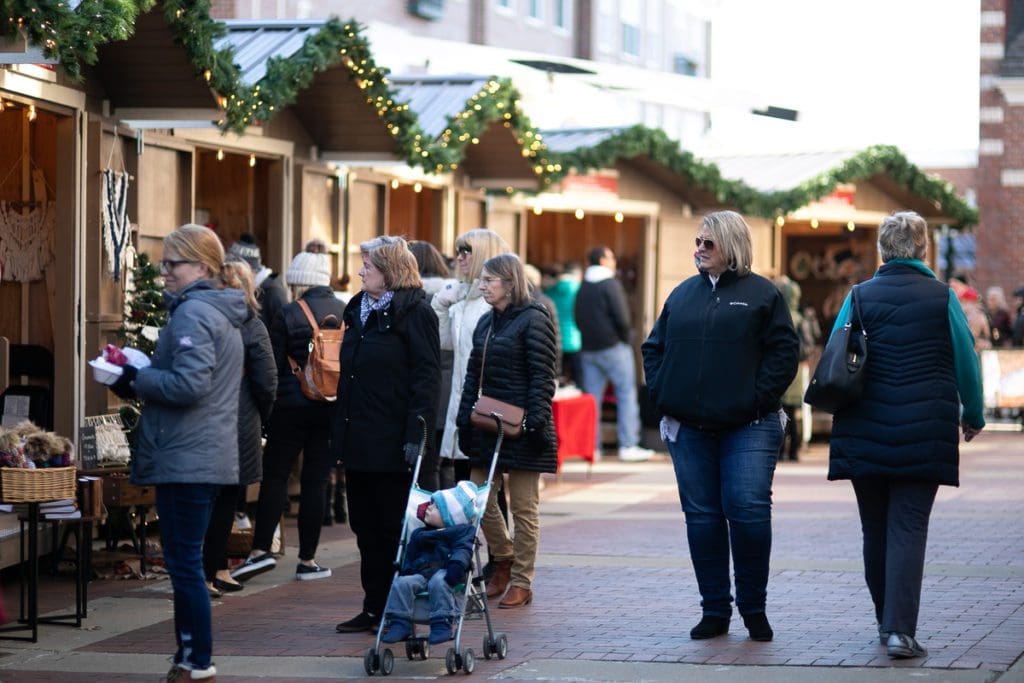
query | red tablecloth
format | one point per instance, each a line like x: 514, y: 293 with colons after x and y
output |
x: 575, y: 425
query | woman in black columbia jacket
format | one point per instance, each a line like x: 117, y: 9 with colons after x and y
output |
x: 519, y: 368
x: 390, y: 378
x: 717, y: 363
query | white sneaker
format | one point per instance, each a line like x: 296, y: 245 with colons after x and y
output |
x: 635, y: 454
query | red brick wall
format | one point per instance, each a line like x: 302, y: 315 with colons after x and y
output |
x: 1000, y: 234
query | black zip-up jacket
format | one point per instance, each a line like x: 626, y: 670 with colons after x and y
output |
x: 720, y: 357
x: 602, y: 314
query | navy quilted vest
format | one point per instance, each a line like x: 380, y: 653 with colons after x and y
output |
x: 906, y: 424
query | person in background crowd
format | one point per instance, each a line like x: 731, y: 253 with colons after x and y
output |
x: 298, y: 424
x: 270, y: 291
x: 1018, y: 321
x: 976, y: 318
x: 793, y: 398
x: 533, y: 279
x: 718, y: 360
x: 187, y: 438
x: 563, y: 294
x: 255, y: 401
x: 898, y: 443
x: 387, y: 397
x: 518, y: 338
x: 436, y: 276
x: 341, y: 288
x: 458, y: 308
x: 1000, y: 322
x: 607, y: 356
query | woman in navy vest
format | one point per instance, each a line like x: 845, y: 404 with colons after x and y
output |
x: 899, y: 442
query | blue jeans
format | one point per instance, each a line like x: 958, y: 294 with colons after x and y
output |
x: 402, y: 601
x: 184, y: 511
x: 725, y: 487
x: 615, y: 365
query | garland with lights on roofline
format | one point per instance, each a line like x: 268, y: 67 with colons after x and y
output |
x: 71, y: 36
x: 872, y: 161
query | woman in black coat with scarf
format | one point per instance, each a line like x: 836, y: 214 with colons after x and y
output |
x: 390, y: 378
x: 519, y: 368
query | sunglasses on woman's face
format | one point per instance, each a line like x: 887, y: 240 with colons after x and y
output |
x: 464, y: 250
x: 707, y: 244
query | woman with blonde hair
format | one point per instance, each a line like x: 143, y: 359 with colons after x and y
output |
x: 387, y: 398
x: 513, y: 360
x: 187, y: 439
x: 255, y: 401
x: 459, y: 306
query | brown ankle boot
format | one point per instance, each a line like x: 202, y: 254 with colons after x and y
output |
x: 499, y: 579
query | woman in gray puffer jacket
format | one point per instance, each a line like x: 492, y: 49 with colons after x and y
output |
x: 514, y: 351
x: 187, y: 441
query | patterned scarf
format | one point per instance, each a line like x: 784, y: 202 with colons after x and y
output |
x: 368, y: 304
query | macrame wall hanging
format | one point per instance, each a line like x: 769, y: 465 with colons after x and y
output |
x: 117, y: 229
x: 27, y: 230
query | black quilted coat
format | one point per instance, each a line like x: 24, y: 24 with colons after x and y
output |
x: 519, y: 369
x: 255, y: 398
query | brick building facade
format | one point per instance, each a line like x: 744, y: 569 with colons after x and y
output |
x: 1000, y: 179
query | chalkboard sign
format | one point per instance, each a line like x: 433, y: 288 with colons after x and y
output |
x: 88, y: 452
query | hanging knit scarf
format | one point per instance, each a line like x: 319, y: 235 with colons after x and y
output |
x: 116, y: 226
x: 26, y: 241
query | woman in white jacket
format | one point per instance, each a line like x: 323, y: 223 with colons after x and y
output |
x: 459, y: 306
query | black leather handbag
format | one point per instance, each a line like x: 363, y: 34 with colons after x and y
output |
x: 839, y: 378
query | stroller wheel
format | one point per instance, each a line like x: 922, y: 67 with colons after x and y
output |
x: 501, y: 648
x: 424, y: 649
x: 371, y: 662
x: 489, y: 647
x: 468, y: 661
x: 410, y: 649
x: 451, y: 661
x: 387, y: 662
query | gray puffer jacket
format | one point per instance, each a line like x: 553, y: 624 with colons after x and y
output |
x: 188, y: 432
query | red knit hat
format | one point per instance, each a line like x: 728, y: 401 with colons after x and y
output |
x: 969, y: 294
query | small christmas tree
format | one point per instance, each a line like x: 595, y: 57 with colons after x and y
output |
x: 144, y: 311
x: 144, y: 315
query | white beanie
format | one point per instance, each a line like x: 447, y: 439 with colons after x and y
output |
x: 309, y: 269
x: 457, y: 505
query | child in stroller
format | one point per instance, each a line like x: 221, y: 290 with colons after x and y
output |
x: 437, y: 559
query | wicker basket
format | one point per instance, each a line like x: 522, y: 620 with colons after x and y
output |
x: 36, y: 486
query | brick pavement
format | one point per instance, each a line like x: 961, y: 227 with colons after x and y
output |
x: 614, y: 585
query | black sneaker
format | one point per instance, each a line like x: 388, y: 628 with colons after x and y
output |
x: 306, y: 572
x: 364, y: 621
x: 902, y: 646
x: 263, y: 562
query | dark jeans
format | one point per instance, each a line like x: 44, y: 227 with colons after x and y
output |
x: 725, y: 487
x: 376, y: 509
x: 215, y: 545
x: 894, y: 518
x: 292, y: 431
x: 184, y: 511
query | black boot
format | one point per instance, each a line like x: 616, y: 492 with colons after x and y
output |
x: 758, y: 627
x: 710, y: 627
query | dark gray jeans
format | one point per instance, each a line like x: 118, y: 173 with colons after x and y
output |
x: 894, y: 518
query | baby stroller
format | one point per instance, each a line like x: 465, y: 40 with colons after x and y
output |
x: 473, y: 604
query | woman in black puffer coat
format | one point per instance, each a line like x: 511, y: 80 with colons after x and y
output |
x: 255, y: 401
x: 519, y: 368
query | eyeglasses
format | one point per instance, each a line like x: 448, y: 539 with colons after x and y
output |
x: 464, y: 250
x: 170, y: 264
x: 707, y: 244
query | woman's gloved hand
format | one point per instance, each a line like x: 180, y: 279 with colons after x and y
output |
x: 454, y: 574
x: 123, y: 386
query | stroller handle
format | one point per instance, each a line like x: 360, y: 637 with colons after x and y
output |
x: 423, y: 449
x: 497, y: 417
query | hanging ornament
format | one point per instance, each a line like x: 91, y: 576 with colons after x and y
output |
x: 26, y: 240
x: 116, y: 226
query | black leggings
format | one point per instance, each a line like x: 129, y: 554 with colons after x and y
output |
x: 215, y: 545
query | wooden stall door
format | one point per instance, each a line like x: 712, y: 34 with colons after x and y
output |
x: 365, y: 221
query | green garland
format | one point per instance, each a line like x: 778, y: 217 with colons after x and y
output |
x: 872, y: 161
x: 71, y: 36
x: 656, y: 145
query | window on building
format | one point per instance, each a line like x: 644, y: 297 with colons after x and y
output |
x: 561, y: 18
x: 681, y: 64
x: 606, y: 25
x: 692, y: 53
x: 504, y: 4
x: 630, y: 18
x: 533, y: 9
